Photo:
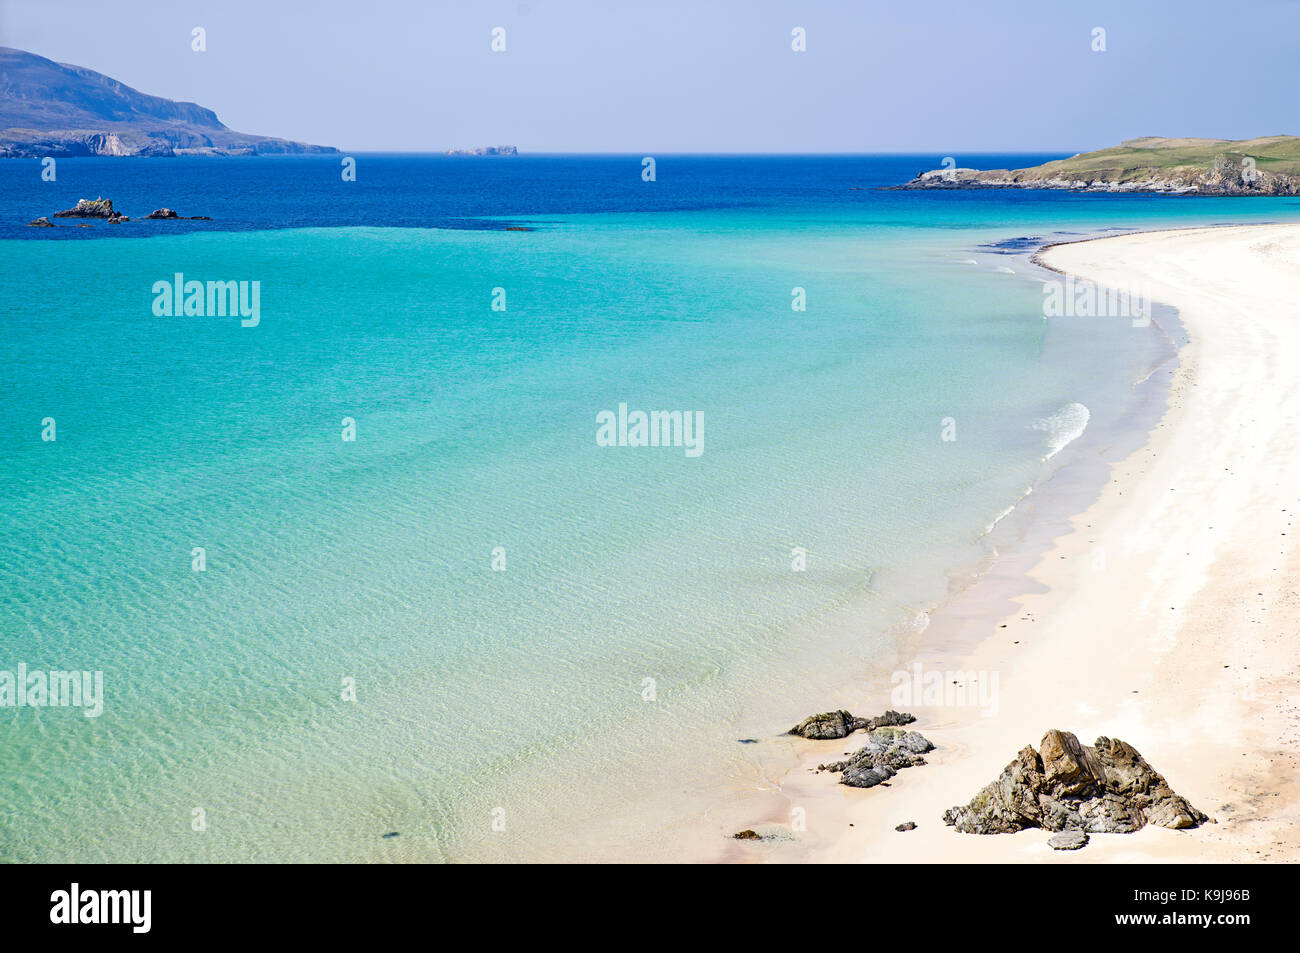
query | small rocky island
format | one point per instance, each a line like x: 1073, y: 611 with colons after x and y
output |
x: 92, y: 208
x: 1260, y: 167
x: 161, y: 213
x: 484, y: 151
x: 102, y: 208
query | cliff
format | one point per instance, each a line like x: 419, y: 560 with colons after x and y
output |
x: 54, y: 109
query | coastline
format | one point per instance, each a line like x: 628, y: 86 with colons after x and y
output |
x: 1176, y: 644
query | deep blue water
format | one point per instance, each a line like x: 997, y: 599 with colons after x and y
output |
x: 458, y: 192
x: 423, y: 191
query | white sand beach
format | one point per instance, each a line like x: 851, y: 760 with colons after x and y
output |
x: 1168, y: 617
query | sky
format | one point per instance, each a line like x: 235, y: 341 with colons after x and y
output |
x: 698, y: 76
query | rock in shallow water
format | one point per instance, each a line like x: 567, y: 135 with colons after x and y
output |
x: 838, y: 724
x: 1107, y: 789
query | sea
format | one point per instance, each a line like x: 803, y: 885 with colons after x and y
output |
x: 445, y: 509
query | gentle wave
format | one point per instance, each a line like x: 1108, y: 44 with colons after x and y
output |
x: 1064, y: 427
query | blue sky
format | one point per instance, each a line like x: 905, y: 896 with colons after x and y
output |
x: 669, y: 76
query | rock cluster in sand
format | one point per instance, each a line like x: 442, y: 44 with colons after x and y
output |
x: 887, y: 751
x: 1107, y: 788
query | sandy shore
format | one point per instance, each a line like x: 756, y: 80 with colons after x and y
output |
x: 1169, y: 616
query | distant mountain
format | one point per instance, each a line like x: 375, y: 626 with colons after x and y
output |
x: 53, y: 109
x: 1266, y: 166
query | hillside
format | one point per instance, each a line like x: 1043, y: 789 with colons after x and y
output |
x: 54, y: 109
x: 1266, y: 166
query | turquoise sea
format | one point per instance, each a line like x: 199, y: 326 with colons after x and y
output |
x: 472, y: 625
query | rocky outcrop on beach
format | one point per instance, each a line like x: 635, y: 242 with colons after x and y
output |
x: 1068, y: 840
x: 1266, y: 166
x: 1106, y: 788
x: 840, y: 724
x: 887, y: 751
x: 89, y: 208
x: 889, y: 747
